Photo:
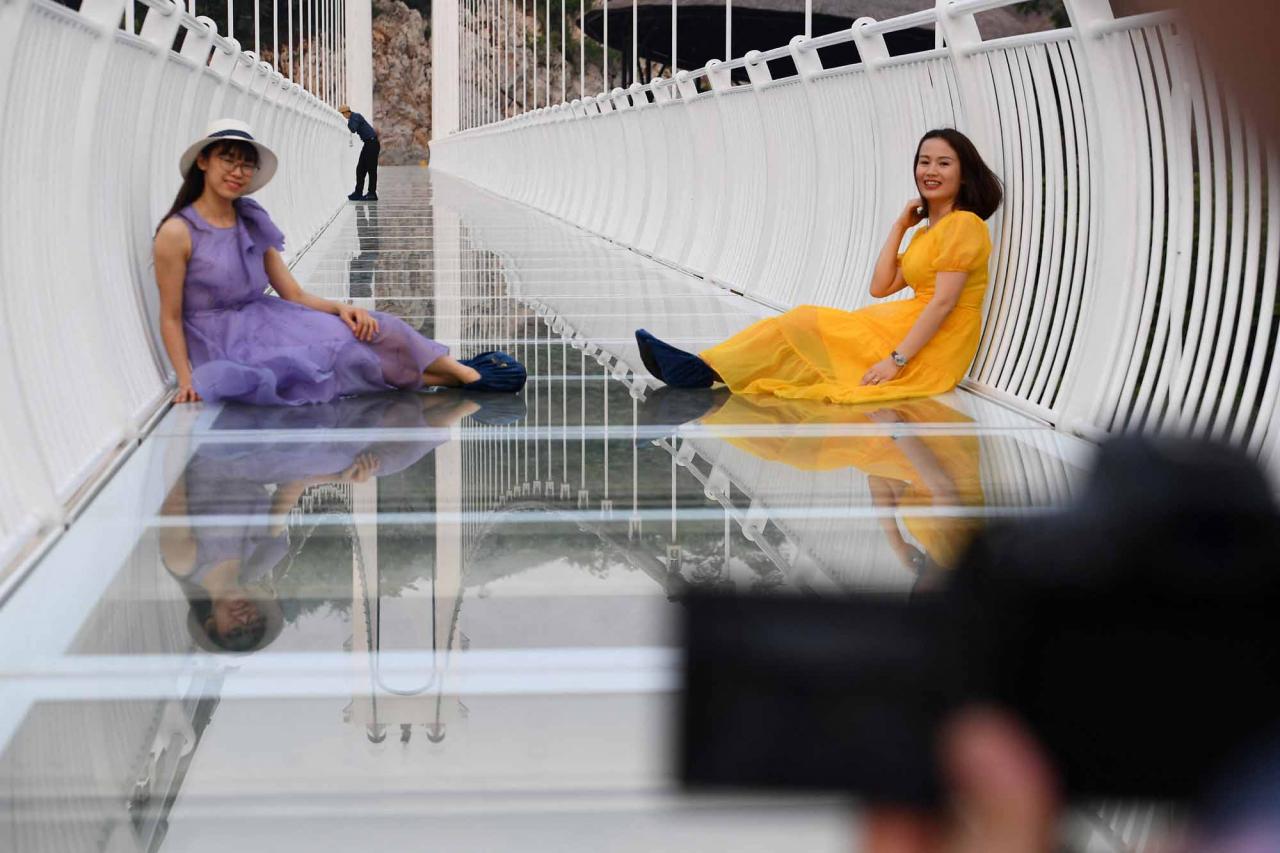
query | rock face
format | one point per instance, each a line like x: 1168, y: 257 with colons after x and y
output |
x: 402, y: 76
x: 401, y: 82
x: 508, y: 69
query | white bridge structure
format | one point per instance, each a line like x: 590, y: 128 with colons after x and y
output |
x: 1133, y: 282
x: 102, y: 103
x: 1133, y: 289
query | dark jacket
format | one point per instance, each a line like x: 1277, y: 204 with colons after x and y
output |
x: 361, y: 128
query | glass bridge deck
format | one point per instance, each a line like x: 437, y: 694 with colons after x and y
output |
x: 469, y: 602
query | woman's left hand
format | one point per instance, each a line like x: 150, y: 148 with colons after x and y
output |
x: 361, y: 323
x: 882, y: 371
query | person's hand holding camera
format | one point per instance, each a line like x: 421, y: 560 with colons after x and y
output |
x: 1003, y: 795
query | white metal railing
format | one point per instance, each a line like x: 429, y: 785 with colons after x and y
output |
x: 95, y: 119
x: 1133, y: 282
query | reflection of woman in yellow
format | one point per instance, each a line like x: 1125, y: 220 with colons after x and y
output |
x: 904, y: 470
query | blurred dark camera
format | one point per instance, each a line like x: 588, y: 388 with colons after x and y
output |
x: 1135, y: 633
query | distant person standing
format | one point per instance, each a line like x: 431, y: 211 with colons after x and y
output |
x: 368, y: 162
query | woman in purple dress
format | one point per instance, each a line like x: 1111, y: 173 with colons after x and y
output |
x: 216, y: 252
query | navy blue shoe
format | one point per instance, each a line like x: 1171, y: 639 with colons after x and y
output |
x: 667, y: 409
x: 369, y: 196
x: 677, y: 368
x: 498, y: 372
x: 356, y: 196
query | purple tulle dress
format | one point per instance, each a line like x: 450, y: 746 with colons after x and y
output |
x: 245, y: 345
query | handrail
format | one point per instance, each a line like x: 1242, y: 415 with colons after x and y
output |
x: 955, y: 8
x: 782, y: 200
x: 902, y: 22
x: 55, y: 451
x: 1133, y: 22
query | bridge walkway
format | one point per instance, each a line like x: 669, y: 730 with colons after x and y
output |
x: 467, y: 603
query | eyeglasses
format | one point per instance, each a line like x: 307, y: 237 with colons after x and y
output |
x: 233, y: 163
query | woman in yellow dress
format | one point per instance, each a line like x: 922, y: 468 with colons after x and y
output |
x: 890, y: 350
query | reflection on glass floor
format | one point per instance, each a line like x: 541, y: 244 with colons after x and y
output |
x: 443, y: 619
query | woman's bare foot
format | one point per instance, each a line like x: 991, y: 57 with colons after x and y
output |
x: 446, y: 372
x: 443, y: 410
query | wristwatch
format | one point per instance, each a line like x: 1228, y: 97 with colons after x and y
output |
x: 898, y: 358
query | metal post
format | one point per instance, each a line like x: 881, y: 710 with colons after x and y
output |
x: 548, y: 52
x: 506, y: 45
x: 257, y: 23
x: 728, y: 30
x: 605, y: 63
x: 808, y: 19
x: 275, y: 34
x: 582, y: 49
x: 523, y: 62
x: 675, y: 32
x: 357, y: 57
x: 469, y: 68
x: 535, y: 54
x: 491, y: 64
x: 564, y: 67
x: 289, y: 6
x: 231, y: 17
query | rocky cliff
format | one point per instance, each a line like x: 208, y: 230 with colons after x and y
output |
x: 402, y: 76
x: 401, y: 81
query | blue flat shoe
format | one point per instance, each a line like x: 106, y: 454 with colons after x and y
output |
x: 667, y: 409
x: 498, y: 372
x: 674, y: 366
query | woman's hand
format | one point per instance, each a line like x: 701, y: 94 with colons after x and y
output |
x: 881, y: 371
x: 362, y: 325
x: 913, y: 214
x: 186, y: 394
x: 366, y: 465
x: 885, y: 416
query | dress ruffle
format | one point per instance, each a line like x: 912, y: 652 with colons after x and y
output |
x: 259, y: 232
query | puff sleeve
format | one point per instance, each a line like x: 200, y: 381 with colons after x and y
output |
x: 963, y: 243
x: 259, y: 232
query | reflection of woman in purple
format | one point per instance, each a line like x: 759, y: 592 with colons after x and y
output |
x: 228, y: 565
x: 216, y: 252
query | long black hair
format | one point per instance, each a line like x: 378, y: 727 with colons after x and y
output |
x: 980, y: 190
x: 193, y: 183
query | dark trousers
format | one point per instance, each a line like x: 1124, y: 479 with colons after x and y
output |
x: 368, y: 165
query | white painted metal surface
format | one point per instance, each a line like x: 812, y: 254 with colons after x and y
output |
x: 96, y: 118
x: 1134, y: 277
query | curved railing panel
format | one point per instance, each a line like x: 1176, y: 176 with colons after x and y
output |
x: 96, y: 118
x: 1136, y: 255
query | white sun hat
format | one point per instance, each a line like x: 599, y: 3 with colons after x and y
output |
x: 230, y: 129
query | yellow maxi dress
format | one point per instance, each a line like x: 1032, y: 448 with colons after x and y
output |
x: 817, y: 353
x: 956, y: 455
